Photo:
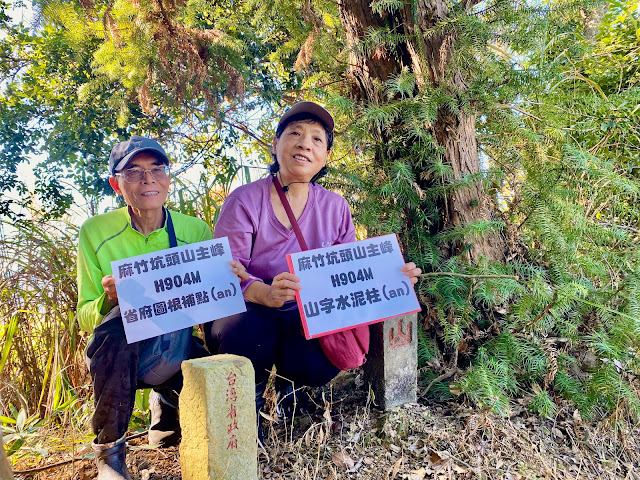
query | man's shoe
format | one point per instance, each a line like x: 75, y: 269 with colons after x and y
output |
x: 165, y: 422
x: 110, y: 460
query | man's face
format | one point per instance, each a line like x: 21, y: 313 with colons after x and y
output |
x: 147, y: 194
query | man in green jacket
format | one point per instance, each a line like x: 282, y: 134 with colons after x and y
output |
x: 140, y: 173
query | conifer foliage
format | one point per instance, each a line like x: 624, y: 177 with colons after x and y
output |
x: 553, y: 314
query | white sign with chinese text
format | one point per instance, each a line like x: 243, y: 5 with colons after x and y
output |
x: 353, y: 284
x: 168, y: 290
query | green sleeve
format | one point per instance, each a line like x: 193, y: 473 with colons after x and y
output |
x: 90, y: 293
x: 206, y: 233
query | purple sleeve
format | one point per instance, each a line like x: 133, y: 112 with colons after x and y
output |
x: 347, y: 229
x: 236, y: 223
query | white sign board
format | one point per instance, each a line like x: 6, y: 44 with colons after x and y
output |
x: 353, y: 284
x: 168, y: 290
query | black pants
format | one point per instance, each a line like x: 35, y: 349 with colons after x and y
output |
x: 113, y: 366
x: 267, y: 337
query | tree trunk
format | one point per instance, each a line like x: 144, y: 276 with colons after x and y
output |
x: 468, y: 204
x: 366, y: 71
x: 427, y: 56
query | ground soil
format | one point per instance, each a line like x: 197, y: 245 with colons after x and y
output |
x: 340, y: 434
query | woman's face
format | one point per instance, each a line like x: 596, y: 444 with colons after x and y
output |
x: 301, y: 151
x: 148, y: 194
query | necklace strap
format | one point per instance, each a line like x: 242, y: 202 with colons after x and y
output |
x: 173, y: 242
x: 292, y: 217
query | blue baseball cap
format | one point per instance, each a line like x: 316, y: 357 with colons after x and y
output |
x: 122, y: 152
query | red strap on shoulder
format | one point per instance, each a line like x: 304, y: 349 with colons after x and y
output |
x: 292, y: 217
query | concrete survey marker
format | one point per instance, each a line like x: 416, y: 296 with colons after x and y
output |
x: 392, y: 362
x: 218, y: 419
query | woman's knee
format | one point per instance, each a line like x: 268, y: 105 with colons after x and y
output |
x: 244, y: 332
x: 304, y: 362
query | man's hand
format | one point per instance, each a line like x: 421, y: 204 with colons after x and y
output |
x: 109, y: 286
x: 410, y: 270
x: 238, y: 269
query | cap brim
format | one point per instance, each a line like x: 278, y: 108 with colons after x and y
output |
x: 123, y: 163
x: 312, y: 108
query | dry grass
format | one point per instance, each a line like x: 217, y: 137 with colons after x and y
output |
x: 42, y: 367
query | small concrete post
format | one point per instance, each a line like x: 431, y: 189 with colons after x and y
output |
x: 392, y: 362
x: 218, y: 419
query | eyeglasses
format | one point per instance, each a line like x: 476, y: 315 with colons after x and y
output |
x: 137, y: 175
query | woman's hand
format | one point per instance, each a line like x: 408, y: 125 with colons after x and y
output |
x: 410, y: 270
x: 238, y: 269
x: 109, y: 286
x: 283, y: 289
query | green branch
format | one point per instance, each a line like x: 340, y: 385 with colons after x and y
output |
x: 472, y: 277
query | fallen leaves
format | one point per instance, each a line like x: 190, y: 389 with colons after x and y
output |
x: 442, y: 462
x: 419, y: 474
x: 393, y: 472
x: 342, y: 460
x: 347, y: 439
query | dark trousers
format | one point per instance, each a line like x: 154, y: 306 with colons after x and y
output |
x: 113, y: 366
x: 267, y: 337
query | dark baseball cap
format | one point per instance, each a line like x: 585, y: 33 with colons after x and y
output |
x: 312, y: 108
x: 122, y: 152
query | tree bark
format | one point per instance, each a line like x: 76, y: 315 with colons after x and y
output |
x: 367, y: 71
x: 427, y: 56
x: 468, y: 204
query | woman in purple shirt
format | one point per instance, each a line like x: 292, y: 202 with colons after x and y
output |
x: 260, y: 234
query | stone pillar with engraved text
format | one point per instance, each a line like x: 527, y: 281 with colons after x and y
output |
x: 392, y: 362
